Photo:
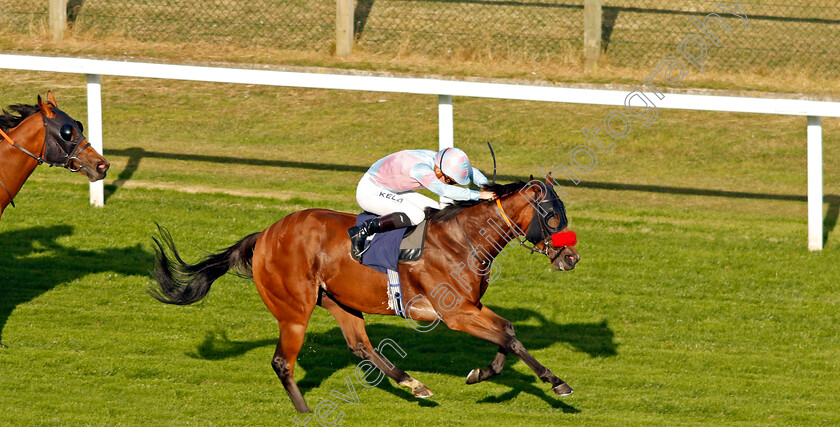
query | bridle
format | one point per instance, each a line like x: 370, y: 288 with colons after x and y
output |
x: 58, y: 153
x: 546, y: 234
x: 55, y: 152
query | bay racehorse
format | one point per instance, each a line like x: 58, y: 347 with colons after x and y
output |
x: 34, y: 134
x: 304, y: 260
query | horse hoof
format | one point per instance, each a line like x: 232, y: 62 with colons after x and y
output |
x: 473, y: 376
x: 418, y: 389
x: 422, y: 392
x: 563, y: 389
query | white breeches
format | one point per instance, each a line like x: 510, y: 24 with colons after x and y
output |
x: 376, y: 199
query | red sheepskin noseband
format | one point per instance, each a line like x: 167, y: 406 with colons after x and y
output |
x: 566, y: 238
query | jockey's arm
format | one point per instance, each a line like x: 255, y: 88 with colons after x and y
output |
x: 478, y: 178
x: 425, y: 175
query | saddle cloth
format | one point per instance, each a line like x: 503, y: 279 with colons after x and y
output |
x: 388, y: 249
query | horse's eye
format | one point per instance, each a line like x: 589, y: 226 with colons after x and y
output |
x: 553, y: 220
x: 66, y: 132
x: 81, y: 126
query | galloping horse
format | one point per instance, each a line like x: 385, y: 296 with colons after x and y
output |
x: 304, y: 260
x: 52, y: 137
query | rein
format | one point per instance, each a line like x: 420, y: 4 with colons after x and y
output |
x: 10, y: 141
x: 27, y: 152
x: 64, y: 163
x: 11, y: 198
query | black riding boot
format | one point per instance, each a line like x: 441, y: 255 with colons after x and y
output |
x: 359, y: 233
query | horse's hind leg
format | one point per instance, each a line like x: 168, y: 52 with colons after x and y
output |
x: 291, y: 298
x: 283, y: 362
x: 292, y: 317
x: 353, y: 328
x: 494, y: 368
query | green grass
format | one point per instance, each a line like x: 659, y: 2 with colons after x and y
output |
x: 695, y: 302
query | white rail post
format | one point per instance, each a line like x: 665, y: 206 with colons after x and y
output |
x: 94, y: 132
x: 446, y: 122
x: 815, y: 184
x: 446, y: 130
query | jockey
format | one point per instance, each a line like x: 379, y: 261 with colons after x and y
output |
x: 387, y: 189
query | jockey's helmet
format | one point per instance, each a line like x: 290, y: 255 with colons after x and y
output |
x: 455, y: 164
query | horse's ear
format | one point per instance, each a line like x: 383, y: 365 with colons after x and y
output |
x: 51, y: 98
x: 548, y: 179
x: 45, y: 108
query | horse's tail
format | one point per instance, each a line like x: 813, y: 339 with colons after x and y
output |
x: 181, y: 283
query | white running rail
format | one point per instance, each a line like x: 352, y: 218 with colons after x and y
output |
x: 444, y: 90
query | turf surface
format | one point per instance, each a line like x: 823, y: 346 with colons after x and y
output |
x: 696, y: 300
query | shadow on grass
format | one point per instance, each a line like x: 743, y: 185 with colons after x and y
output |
x: 522, y: 383
x: 32, y: 262
x: 136, y: 155
x: 830, y: 220
x: 439, y: 351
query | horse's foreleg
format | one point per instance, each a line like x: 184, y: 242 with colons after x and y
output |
x: 353, y: 328
x: 559, y: 386
x: 489, y: 326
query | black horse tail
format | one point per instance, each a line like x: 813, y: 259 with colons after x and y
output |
x: 181, y: 283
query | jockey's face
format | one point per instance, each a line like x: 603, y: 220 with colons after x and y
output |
x: 445, y: 179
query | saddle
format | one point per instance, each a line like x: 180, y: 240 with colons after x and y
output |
x: 414, y: 239
x: 387, y: 249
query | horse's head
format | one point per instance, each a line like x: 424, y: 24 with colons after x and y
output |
x: 548, y: 227
x: 65, y: 144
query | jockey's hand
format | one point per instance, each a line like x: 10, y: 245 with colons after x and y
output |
x: 486, y: 195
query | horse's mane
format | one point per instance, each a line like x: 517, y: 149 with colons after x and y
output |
x: 9, y: 120
x: 451, y: 211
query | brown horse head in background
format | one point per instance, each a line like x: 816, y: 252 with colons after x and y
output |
x: 303, y: 261
x: 41, y: 133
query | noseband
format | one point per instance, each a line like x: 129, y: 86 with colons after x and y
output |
x: 60, y: 146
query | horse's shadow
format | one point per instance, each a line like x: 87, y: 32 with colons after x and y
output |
x: 441, y: 351
x: 32, y: 262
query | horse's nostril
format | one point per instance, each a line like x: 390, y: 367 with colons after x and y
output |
x: 102, y: 167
